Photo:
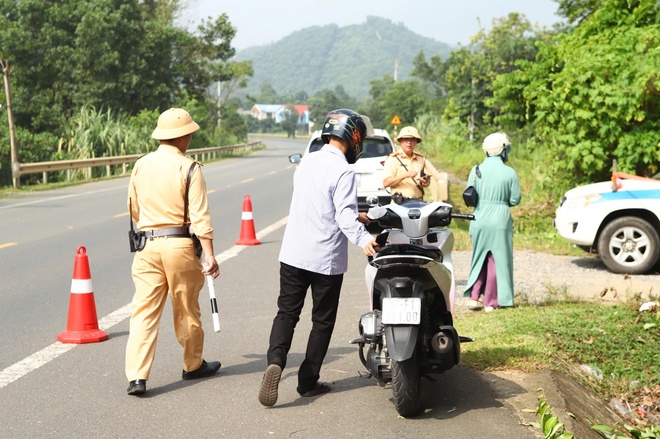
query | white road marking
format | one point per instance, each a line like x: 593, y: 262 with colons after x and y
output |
x: 49, y: 353
x: 45, y: 200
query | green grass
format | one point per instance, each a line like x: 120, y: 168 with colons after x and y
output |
x: 618, y: 340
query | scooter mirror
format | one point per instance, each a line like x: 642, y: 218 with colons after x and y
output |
x: 372, y: 200
x: 295, y: 158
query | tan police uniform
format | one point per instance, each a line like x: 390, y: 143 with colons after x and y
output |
x: 394, y: 167
x: 167, y: 263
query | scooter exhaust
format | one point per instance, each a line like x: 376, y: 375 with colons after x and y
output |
x: 441, y: 343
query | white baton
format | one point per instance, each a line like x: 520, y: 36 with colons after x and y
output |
x: 214, y: 303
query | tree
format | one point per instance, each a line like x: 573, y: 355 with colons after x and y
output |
x: 325, y: 101
x: 290, y: 121
x: 405, y: 99
x: 124, y: 55
x: 465, y: 79
x: 595, y: 92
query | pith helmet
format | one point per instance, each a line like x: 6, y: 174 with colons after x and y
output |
x: 409, y: 132
x: 495, y: 143
x: 174, y: 123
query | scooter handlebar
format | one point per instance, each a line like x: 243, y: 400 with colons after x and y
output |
x: 465, y: 216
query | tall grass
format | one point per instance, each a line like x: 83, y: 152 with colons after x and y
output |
x: 97, y: 133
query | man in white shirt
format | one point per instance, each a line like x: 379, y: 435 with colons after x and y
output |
x: 323, y: 217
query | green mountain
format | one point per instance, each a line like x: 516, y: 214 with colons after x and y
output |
x: 323, y: 57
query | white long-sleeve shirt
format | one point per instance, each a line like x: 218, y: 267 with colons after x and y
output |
x: 323, y: 215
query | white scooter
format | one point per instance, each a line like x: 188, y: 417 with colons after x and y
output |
x: 409, y: 331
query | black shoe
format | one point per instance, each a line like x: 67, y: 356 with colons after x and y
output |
x: 319, y: 389
x: 137, y: 387
x: 205, y: 370
x: 269, y: 383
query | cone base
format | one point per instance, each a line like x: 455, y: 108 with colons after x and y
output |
x: 80, y: 337
x: 248, y: 242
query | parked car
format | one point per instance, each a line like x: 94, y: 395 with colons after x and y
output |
x: 619, y: 219
x: 368, y: 168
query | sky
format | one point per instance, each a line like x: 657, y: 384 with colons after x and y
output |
x: 260, y: 22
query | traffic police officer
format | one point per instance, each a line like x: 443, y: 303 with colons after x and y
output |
x: 168, y: 261
x: 406, y: 170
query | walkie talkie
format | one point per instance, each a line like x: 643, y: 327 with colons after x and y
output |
x: 136, y: 239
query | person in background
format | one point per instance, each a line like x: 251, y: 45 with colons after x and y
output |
x: 323, y: 217
x: 168, y: 262
x: 491, y: 269
x: 407, y: 171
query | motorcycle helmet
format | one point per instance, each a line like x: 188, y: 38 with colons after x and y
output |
x: 349, y: 126
x: 497, y: 144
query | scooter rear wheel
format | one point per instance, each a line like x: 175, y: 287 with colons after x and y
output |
x: 406, y: 386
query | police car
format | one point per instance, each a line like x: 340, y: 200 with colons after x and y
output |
x: 619, y: 219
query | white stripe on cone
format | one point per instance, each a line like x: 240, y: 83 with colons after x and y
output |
x: 246, y: 216
x: 81, y: 286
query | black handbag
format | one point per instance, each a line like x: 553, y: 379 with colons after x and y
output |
x: 470, y: 194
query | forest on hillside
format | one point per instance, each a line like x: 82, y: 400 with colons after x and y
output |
x: 583, y: 94
x: 324, y: 57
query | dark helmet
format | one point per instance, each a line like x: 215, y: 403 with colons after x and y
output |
x: 350, y: 126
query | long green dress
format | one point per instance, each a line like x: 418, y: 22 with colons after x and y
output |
x: 492, y: 229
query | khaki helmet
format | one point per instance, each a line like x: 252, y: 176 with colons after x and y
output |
x: 495, y: 143
x: 174, y: 123
x: 409, y: 132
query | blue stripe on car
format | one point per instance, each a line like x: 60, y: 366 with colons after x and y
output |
x: 629, y: 195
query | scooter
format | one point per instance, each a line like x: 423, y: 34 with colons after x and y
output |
x: 409, y: 331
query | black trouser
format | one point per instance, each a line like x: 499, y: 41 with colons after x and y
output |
x: 294, y: 283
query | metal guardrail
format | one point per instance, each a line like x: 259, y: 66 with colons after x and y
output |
x: 68, y: 165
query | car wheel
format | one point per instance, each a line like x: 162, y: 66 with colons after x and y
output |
x: 629, y: 245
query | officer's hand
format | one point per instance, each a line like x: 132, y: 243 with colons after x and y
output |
x: 211, y: 267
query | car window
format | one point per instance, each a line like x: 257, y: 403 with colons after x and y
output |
x: 316, y: 145
x: 376, y: 148
x: 371, y: 147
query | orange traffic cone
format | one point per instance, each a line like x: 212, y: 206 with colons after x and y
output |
x: 248, y: 237
x: 82, y: 325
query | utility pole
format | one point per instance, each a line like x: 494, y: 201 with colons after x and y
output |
x: 6, y: 71
x: 472, y: 111
x: 396, y: 69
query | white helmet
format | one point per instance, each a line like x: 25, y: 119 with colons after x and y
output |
x: 495, y: 143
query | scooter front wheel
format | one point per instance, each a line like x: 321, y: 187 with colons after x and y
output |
x: 406, y: 386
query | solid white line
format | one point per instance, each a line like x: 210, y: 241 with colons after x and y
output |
x: 49, y: 353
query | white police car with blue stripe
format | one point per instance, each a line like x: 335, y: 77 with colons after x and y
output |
x: 619, y: 219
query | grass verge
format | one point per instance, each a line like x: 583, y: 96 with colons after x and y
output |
x: 616, y: 345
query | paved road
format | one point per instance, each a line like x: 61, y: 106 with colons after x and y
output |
x: 50, y: 390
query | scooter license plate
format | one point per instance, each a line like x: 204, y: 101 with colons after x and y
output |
x: 401, y: 311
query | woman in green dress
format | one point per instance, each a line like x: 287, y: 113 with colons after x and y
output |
x: 491, y: 270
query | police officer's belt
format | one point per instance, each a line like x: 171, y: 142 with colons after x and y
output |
x: 173, y: 232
